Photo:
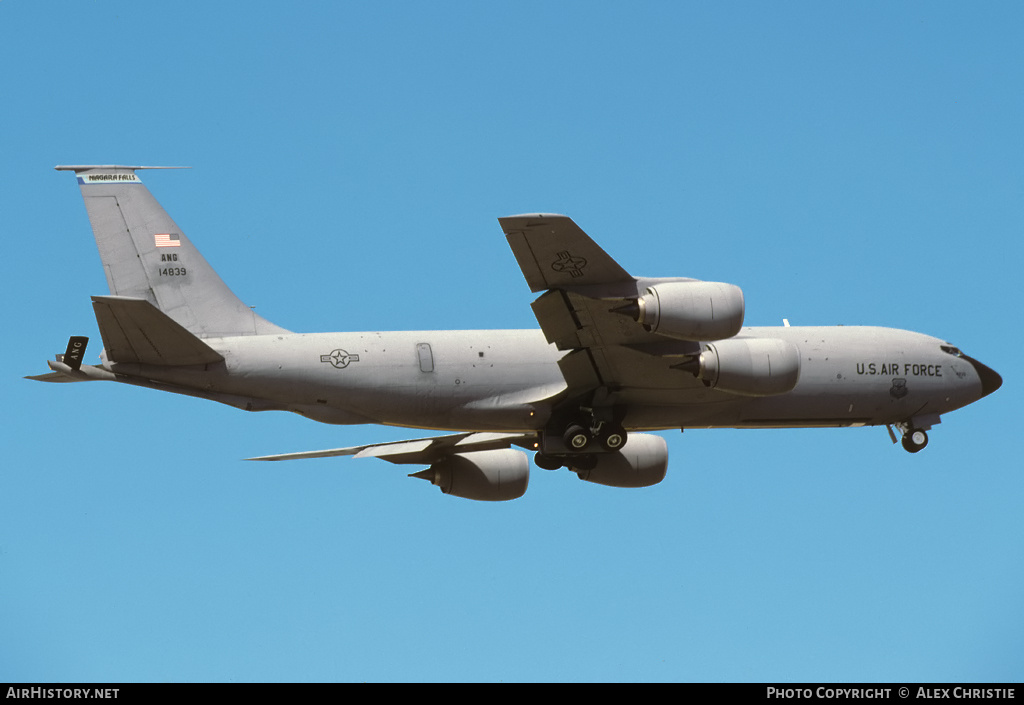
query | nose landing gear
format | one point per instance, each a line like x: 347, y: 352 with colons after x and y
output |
x: 913, y: 439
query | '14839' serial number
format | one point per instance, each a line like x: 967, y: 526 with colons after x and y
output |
x: 172, y: 272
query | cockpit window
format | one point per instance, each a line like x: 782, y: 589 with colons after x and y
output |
x: 951, y: 350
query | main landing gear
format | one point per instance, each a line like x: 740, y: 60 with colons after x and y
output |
x: 578, y: 437
x: 582, y: 441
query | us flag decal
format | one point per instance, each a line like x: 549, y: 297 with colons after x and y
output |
x: 167, y: 240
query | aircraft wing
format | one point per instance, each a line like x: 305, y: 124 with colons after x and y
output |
x: 554, y: 252
x: 582, y: 286
x: 421, y: 451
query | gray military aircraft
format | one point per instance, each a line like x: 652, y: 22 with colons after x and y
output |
x: 615, y: 355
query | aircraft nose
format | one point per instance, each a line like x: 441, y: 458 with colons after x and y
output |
x: 990, y: 379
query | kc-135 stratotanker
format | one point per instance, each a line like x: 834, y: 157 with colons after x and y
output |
x: 616, y: 357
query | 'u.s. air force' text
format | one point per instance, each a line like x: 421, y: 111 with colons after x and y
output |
x: 906, y: 369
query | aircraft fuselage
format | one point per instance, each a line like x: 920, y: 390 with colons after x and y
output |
x: 506, y: 380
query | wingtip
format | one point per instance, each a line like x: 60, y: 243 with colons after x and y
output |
x: 540, y: 216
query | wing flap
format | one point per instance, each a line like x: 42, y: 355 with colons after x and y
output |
x: 580, y: 371
x: 555, y: 316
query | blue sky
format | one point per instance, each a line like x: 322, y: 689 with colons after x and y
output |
x: 856, y: 163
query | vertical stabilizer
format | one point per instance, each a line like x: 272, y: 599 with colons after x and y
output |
x: 146, y: 256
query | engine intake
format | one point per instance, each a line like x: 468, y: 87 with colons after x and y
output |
x: 693, y: 310
x: 484, y: 475
x: 753, y: 367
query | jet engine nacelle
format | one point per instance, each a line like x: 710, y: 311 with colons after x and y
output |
x: 485, y: 475
x: 642, y: 462
x: 752, y: 367
x: 692, y: 310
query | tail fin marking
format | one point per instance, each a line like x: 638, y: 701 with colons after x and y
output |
x: 146, y: 256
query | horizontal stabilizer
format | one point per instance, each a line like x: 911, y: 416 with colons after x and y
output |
x: 134, y: 330
x: 420, y: 451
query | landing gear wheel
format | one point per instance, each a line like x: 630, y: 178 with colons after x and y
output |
x: 914, y: 440
x: 576, y: 437
x: 613, y: 438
